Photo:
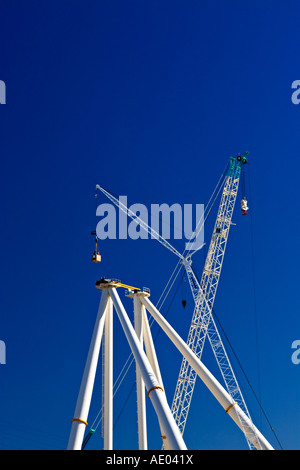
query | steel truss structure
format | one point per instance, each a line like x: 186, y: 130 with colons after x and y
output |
x: 148, y: 377
x: 203, y: 323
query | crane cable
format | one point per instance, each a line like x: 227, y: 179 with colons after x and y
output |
x: 247, y: 379
x: 257, y: 397
x: 254, y: 285
x: 210, y: 205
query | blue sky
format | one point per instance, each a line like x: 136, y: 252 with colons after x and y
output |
x: 149, y: 100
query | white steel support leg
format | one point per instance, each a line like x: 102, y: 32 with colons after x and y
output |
x: 140, y: 386
x: 149, y: 345
x: 154, y: 391
x: 151, y: 354
x: 79, y: 421
x: 108, y: 377
x: 232, y: 408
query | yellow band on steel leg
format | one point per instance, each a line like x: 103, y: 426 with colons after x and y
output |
x: 153, y: 388
x: 230, y: 406
x: 80, y: 421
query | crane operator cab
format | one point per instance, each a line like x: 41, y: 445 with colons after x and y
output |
x: 244, y: 206
x: 96, y: 257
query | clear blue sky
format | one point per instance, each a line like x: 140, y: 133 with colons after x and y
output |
x: 148, y: 99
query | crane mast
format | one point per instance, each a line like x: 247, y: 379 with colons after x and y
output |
x: 202, y: 323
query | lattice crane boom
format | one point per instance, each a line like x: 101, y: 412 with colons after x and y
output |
x: 204, y: 293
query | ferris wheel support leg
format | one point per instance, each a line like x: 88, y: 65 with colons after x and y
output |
x: 108, y: 377
x: 155, y: 392
x: 79, y: 421
x: 151, y: 354
x: 140, y: 386
x: 223, y: 397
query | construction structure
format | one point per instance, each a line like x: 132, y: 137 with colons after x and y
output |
x: 172, y: 420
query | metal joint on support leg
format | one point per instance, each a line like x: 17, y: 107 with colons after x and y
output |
x: 230, y: 406
x: 79, y: 420
x: 153, y: 388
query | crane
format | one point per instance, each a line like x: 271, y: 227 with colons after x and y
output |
x: 204, y: 291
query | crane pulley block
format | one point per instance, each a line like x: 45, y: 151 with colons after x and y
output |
x: 244, y: 206
x: 236, y: 163
x: 96, y: 257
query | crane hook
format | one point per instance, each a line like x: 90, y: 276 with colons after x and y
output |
x: 96, y: 257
